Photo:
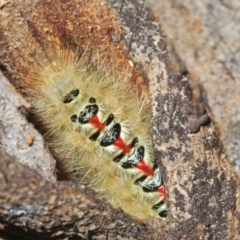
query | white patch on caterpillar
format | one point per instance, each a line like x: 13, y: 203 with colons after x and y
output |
x: 98, y: 130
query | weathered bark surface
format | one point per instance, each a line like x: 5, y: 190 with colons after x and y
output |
x: 205, y: 34
x: 202, y: 185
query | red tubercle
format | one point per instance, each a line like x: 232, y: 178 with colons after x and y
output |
x: 121, y: 145
x: 162, y: 190
x: 97, y: 123
x: 142, y: 166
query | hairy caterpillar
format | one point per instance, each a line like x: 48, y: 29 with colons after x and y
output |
x: 97, y: 127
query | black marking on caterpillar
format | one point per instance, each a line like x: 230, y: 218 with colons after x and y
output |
x: 73, y: 118
x: 160, y: 208
x: 71, y: 96
x: 111, y: 136
x: 128, y: 161
x: 87, y: 113
x: 92, y: 100
x: 94, y: 136
x: 109, y: 119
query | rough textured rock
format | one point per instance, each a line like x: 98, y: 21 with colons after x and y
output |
x: 18, y: 137
x: 202, y: 185
x: 205, y: 34
x: 33, y: 208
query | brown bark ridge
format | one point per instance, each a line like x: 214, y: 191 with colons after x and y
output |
x: 33, y: 208
x: 202, y: 186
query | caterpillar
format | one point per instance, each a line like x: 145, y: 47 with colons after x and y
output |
x: 98, y: 129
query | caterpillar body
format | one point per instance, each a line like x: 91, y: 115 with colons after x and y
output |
x: 98, y: 129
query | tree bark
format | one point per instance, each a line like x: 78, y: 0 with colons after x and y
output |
x: 205, y: 36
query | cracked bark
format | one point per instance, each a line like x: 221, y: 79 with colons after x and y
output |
x: 206, y: 38
x: 202, y: 186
